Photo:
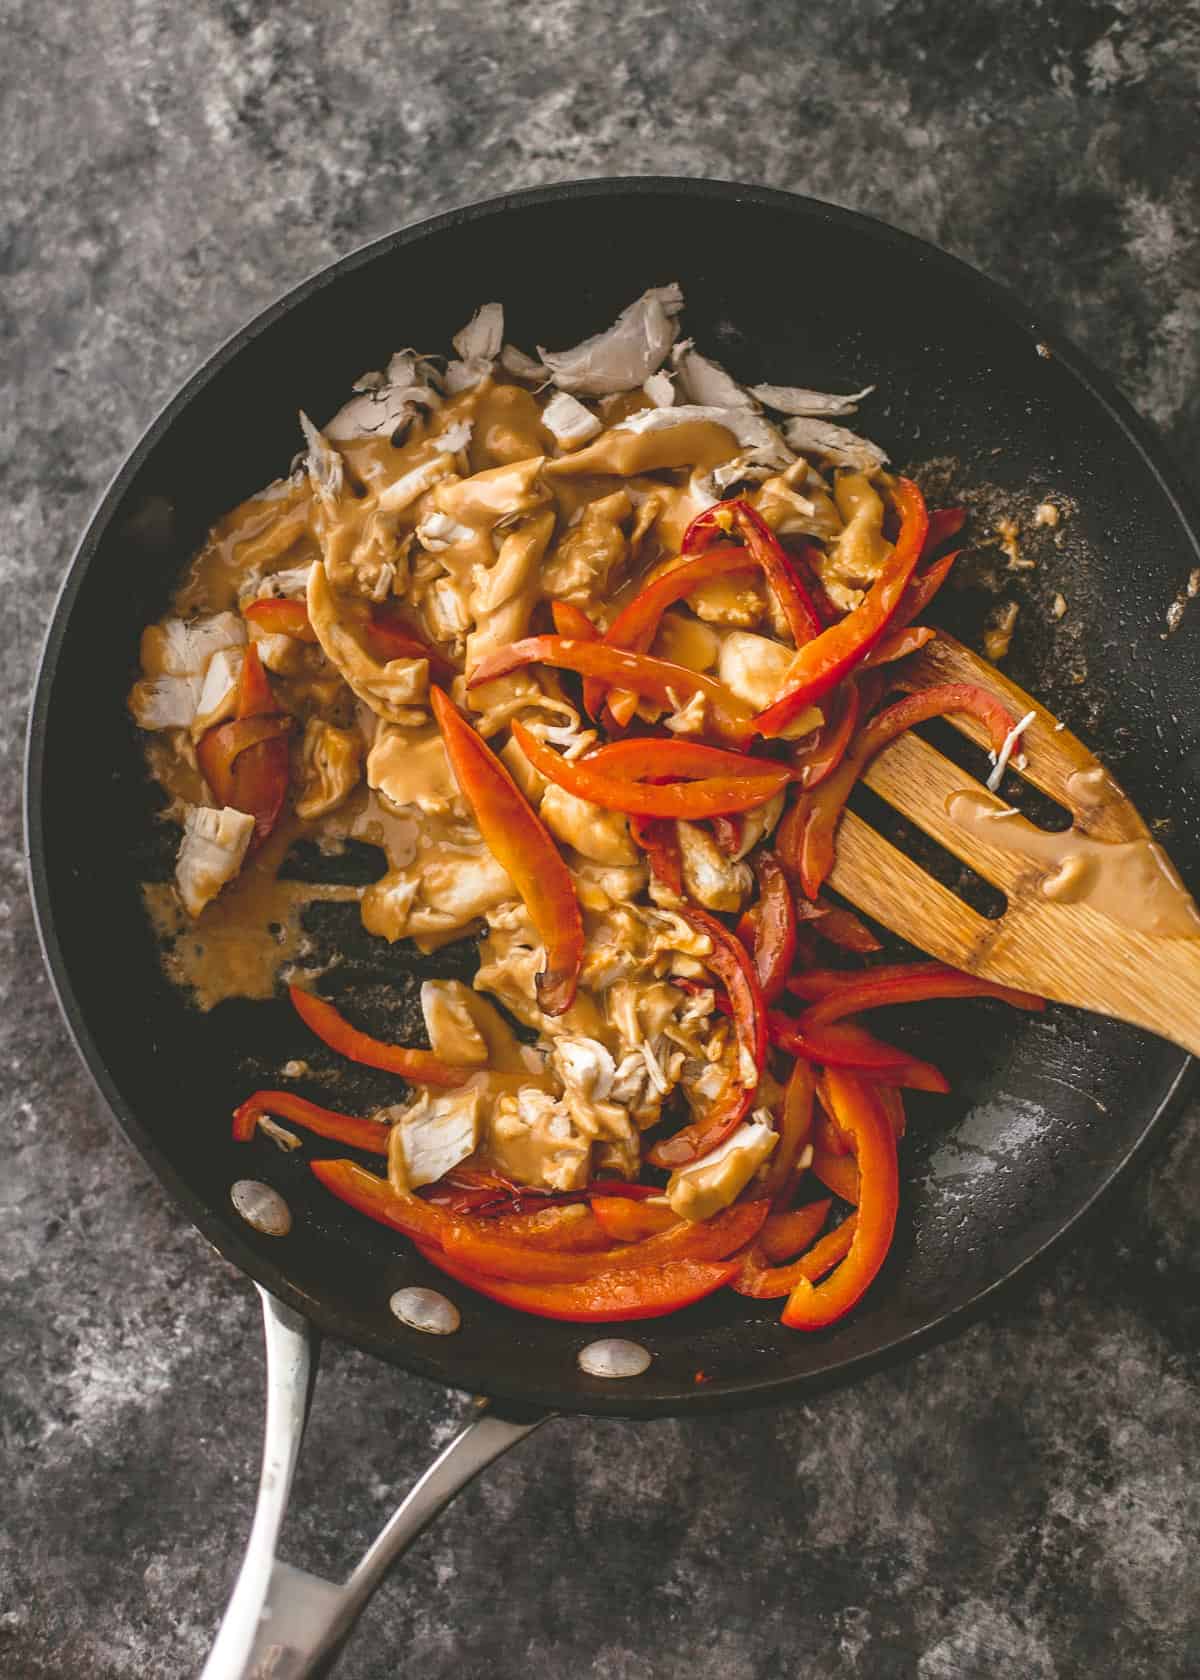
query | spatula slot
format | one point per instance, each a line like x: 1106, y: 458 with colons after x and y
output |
x: 1015, y: 790
x: 932, y: 857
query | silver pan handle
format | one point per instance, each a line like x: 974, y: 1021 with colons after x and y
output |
x: 282, y: 1623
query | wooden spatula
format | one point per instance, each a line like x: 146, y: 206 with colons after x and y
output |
x: 1096, y: 916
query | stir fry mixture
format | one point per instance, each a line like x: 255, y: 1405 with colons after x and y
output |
x: 593, y: 646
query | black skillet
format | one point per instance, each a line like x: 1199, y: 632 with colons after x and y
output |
x: 978, y: 399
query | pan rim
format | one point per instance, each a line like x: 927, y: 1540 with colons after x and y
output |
x: 221, y: 1230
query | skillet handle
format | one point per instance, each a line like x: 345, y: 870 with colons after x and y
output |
x: 282, y: 1623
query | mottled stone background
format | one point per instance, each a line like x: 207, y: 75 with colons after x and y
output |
x: 1021, y: 1503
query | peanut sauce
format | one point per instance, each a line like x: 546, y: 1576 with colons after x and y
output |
x: 1132, y: 882
x: 240, y: 943
x: 513, y: 519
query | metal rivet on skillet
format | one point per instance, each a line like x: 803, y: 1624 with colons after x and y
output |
x: 614, y: 1358
x: 425, y: 1309
x: 261, y: 1207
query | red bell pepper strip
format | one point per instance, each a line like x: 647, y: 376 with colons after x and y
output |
x: 903, y: 637
x: 606, y: 1297
x: 850, y: 1047
x: 570, y: 620
x: 621, y: 1187
x: 841, y: 1046
x: 260, y: 776
x: 789, y: 835
x: 822, y: 663
x: 542, y: 1241
x: 818, y: 983
x: 837, y: 1172
x: 529, y: 1215
x: 815, y: 816
x: 218, y: 749
x: 325, y: 1122
x: 827, y: 612
x: 254, y: 687
x: 394, y: 637
x: 794, y: 1125
x: 766, y: 550
x: 922, y: 587
x: 819, y: 754
x: 858, y: 1111
x: 488, y: 1195
x: 658, y: 837
x: 944, y: 523
x: 936, y: 702
x: 473, y: 1245
x: 774, y: 947
x: 837, y: 926
x: 636, y: 625
x: 572, y: 1229
x: 893, y: 1101
x: 471, y: 1190
x: 732, y: 964
x: 787, y: 1234
x: 260, y: 785
x: 421, y: 1067
x: 827, y: 1140
x: 621, y: 706
x: 747, y: 930
x: 649, y: 757
x: 626, y: 1187
x: 246, y: 762
x: 374, y: 1196
x: 708, y: 797
x: 484, y: 1204
x: 518, y: 840
x: 628, y: 1222
x: 815, y: 983
x: 876, y: 991
x: 712, y: 522
x: 655, y: 679
x: 898, y: 644
x: 764, y: 1283
x: 281, y: 617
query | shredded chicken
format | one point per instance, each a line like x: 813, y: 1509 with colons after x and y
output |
x: 705, y: 382
x: 711, y: 878
x: 569, y: 420
x: 855, y: 559
x: 836, y: 444
x: 478, y: 344
x: 793, y: 399
x: 395, y: 690
x: 437, y: 1131
x: 450, y: 1023
x: 331, y: 763
x: 385, y: 403
x: 434, y: 520
x: 700, y: 1190
x: 165, y: 702
x: 633, y: 348
x: 590, y: 553
x: 210, y: 853
x: 179, y: 647
x: 600, y: 835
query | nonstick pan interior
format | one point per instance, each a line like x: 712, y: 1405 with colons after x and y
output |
x: 976, y: 398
